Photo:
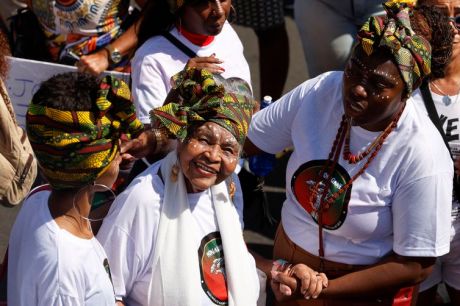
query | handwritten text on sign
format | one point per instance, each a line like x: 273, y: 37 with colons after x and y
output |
x: 25, y: 77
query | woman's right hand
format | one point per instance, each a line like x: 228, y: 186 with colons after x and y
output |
x: 285, y: 282
x: 210, y: 63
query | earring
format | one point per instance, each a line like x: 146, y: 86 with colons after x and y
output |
x: 232, y: 189
x: 232, y: 15
x: 174, y: 172
x: 179, y: 25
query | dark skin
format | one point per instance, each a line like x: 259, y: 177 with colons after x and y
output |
x: 373, y: 93
x: 206, y: 17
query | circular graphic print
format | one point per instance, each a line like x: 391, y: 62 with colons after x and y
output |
x: 304, y: 182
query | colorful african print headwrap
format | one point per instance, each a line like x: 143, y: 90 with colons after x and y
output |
x: 74, y: 147
x: 411, y: 51
x: 198, y: 99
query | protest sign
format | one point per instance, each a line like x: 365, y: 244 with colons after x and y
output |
x: 25, y: 77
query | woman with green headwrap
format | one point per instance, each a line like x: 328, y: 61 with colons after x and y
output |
x: 370, y: 180
x: 174, y: 236
x: 74, y: 124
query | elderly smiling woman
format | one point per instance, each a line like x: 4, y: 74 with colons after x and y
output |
x: 174, y: 236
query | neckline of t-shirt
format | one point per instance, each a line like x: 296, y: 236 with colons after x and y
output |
x: 190, y: 44
x: 55, y: 227
x: 437, y: 98
x: 362, y: 132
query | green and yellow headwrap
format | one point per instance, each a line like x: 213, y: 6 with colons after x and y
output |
x: 412, y: 52
x: 74, y: 147
x: 198, y: 98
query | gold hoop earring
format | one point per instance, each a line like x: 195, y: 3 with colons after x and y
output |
x: 231, y: 189
x: 174, y: 172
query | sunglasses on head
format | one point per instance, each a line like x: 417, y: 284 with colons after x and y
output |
x: 456, y: 21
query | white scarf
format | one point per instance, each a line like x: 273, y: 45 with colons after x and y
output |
x: 175, y: 275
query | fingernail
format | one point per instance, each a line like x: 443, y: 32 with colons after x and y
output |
x: 222, y: 69
x: 213, y: 54
x: 315, y: 296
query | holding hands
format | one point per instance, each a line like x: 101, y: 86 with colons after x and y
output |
x: 288, y: 281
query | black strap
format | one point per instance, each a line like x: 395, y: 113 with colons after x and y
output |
x: 179, y: 44
x: 432, y: 113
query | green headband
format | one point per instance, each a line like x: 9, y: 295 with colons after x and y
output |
x: 197, y: 99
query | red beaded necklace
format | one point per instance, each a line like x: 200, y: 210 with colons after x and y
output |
x: 343, y: 135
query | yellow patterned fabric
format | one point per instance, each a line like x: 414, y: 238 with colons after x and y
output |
x: 74, y: 147
x: 411, y: 52
x: 198, y: 98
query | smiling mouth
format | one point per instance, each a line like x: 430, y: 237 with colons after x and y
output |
x: 205, y: 168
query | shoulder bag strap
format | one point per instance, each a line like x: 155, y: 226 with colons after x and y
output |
x: 432, y: 113
x: 179, y: 44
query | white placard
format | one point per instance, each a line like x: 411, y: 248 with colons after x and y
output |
x: 25, y: 77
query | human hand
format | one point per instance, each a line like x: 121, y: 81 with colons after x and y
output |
x: 138, y: 147
x: 210, y: 63
x: 285, y: 282
x: 94, y: 63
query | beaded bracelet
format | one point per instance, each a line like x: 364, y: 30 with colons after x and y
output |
x: 280, y: 265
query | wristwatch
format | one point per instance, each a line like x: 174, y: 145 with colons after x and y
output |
x: 114, y: 54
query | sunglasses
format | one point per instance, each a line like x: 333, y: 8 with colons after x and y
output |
x: 456, y: 21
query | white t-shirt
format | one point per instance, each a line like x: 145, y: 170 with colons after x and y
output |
x: 449, y: 114
x: 157, y: 60
x: 402, y: 200
x: 49, y: 266
x: 129, y: 232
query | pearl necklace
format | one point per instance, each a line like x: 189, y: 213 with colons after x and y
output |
x: 446, y: 99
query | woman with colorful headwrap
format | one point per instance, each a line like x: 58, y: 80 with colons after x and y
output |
x: 369, y: 181
x: 174, y: 236
x: 74, y: 124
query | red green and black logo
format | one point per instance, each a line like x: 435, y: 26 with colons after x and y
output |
x: 308, y: 188
x: 212, y: 268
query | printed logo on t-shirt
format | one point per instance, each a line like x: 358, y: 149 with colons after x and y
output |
x: 212, y: 268
x: 308, y: 189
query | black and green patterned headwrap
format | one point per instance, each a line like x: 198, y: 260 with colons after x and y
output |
x: 411, y: 52
x: 197, y: 97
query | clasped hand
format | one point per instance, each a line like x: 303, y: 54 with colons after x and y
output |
x: 292, y: 281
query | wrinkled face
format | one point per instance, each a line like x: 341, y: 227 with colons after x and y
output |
x: 208, y: 156
x: 206, y: 17
x: 372, y: 89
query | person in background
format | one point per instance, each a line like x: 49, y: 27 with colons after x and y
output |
x: 201, y: 27
x: 266, y: 18
x: 74, y: 123
x: 174, y: 236
x: 94, y: 36
x: 328, y: 29
x: 368, y: 200
x: 443, y: 88
x: 18, y: 167
x: 9, y: 8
